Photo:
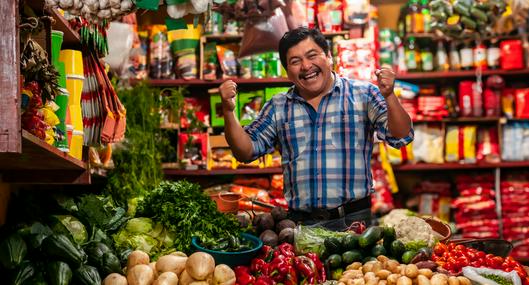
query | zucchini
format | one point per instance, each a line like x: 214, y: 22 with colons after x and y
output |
x: 335, y: 261
x: 408, y: 256
x: 350, y: 242
x: 478, y: 14
x: 109, y: 264
x: 351, y: 256
x: 439, y: 16
x: 23, y: 273
x: 13, y: 250
x: 87, y: 275
x: 59, y: 273
x: 60, y: 247
x: 371, y: 236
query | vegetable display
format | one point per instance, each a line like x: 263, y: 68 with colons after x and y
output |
x: 181, y: 207
x: 94, y: 10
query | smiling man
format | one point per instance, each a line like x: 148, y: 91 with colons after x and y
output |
x: 324, y: 127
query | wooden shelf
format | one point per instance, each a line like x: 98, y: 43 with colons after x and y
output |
x: 424, y: 76
x: 468, y: 37
x: 200, y: 82
x: 40, y: 162
x: 459, y: 166
x: 71, y: 37
x: 203, y: 172
x: 467, y: 120
x: 228, y: 37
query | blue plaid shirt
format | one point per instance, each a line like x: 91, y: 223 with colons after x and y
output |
x: 326, y: 154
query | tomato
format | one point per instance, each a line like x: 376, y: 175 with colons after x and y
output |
x: 446, y: 255
x: 521, y: 272
x: 460, y: 247
x: 470, y: 255
x: 449, y: 266
x: 434, y: 257
x: 475, y: 264
x: 462, y: 261
x: 441, y: 264
x: 440, y: 248
x: 451, y: 246
x: 495, y: 262
x: 480, y: 254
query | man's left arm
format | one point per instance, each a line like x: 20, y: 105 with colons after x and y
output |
x: 392, y: 122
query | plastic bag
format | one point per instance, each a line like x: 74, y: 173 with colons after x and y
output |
x: 426, y: 144
x: 310, y: 239
x: 476, y: 275
x: 461, y: 144
x: 263, y: 35
x: 228, y: 61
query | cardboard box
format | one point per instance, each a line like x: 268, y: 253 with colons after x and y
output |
x: 219, y: 154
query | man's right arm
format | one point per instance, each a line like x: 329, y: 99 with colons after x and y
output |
x: 239, y: 141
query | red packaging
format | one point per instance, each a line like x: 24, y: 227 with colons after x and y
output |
x: 470, y: 101
x: 511, y: 56
x: 488, y: 148
x: 522, y: 103
x: 193, y: 149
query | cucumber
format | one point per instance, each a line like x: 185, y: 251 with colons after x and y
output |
x: 87, y: 275
x: 350, y: 242
x: 461, y: 9
x: 478, y: 14
x: 408, y: 256
x: 468, y: 23
x: 334, y: 261
x: 389, y: 236
x: 59, y: 273
x: 378, y: 250
x: 397, y: 249
x: 109, y: 264
x: 351, y: 256
x: 333, y: 245
x: 371, y: 236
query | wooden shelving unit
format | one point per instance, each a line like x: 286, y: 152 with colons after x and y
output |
x: 460, y: 166
x: 210, y: 83
x: 214, y: 172
x: 455, y: 75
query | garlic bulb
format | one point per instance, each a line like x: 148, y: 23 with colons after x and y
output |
x: 177, y: 11
x: 104, y: 14
x: 199, y: 6
x: 65, y: 4
x: 126, y: 5
x: 93, y: 5
x: 115, y: 3
x: 104, y: 4
x: 52, y: 3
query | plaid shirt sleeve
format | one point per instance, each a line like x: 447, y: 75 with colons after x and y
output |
x: 378, y: 115
x: 262, y: 131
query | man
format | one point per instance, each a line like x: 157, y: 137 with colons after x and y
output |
x: 324, y: 128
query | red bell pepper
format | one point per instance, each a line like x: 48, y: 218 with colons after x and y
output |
x: 243, y: 275
x: 286, y: 249
x: 319, y: 266
x: 259, y: 267
x: 307, y: 269
x: 279, y: 268
x: 264, y: 280
x: 266, y: 253
x: 292, y: 276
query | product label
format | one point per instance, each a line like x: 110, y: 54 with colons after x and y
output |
x: 493, y: 56
x: 411, y: 59
x: 427, y: 61
x: 480, y: 57
x: 467, y: 58
x: 455, y: 63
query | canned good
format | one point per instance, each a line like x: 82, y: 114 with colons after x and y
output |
x: 258, y: 67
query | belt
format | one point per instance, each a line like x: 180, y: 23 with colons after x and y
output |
x: 335, y: 213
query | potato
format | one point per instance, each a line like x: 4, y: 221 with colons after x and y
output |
x: 179, y: 253
x: 426, y: 272
x: 369, y: 275
x: 377, y: 266
x: 372, y: 281
x: 403, y: 280
x: 167, y: 278
x: 402, y: 269
x: 392, y: 266
x: 382, y: 282
x: 439, y: 279
x: 383, y: 274
x: 199, y: 265
x: 463, y: 280
x: 411, y: 271
x: 358, y: 281
x: 185, y: 278
x: 368, y: 266
x: 423, y: 280
x: 171, y: 263
x: 354, y: 266
x: 223, y: 275
x: 140, y: 274
x: 452, y: 280
x: 382, y: 258
x: 152, y: 265
x: 352, y: 274
x: 115, y: 279
x: 341, y: 283
x: 392, y: 279
x: 137, y: 257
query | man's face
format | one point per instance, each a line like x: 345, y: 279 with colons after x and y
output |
x: 309, y: 68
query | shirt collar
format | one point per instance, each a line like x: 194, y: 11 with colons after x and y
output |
x: 337, y: 86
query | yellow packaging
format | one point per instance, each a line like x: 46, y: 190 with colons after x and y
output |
x: 73, y: 61
x: 460, y: 144
x: 273, y: 160
x: 76, y: 147
x: 400, y: 156
x: 219, y: 154
x: 384, y: 160
x: 76, y: 116
x: 75, y: 88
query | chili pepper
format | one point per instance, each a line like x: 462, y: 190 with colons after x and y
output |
x: 319, y: 266
x: 259, y: 267
x: 286, y: 249
x: 243, y: 276
x: 266, y: 253
x: 264, y: 280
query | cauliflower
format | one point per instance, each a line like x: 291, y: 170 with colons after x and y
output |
x: 414, y: 230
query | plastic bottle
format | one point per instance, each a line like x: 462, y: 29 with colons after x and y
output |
x: 441, y: 58
x: 455, y: 61
x: 426, y: 16
x: 467, y: 56
x: 412, y: 56
x: 427, y: 57
x: 493, y: 54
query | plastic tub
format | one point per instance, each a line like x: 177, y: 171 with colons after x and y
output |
x: 76, y: 117
x: 227, y: 202
x: 73, y: 61
x: 232, y: 259
x: 75, y: 88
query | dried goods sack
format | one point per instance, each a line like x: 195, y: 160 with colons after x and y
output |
x: 428, y: 144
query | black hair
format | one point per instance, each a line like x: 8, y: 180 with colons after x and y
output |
x: 292, y: 38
